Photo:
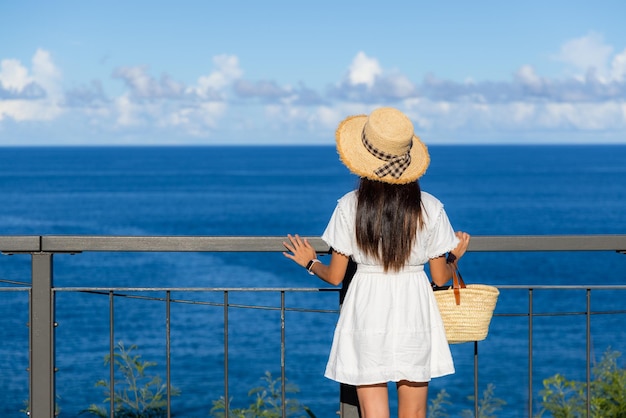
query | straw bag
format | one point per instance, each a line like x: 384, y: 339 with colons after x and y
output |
x: 466, y: 310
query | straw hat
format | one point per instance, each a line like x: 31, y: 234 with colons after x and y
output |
x: 382, y: 147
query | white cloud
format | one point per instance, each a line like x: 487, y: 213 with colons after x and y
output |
x: 328, y: 117
x: 592, y: 99
x: 30, y: 95
x: 264, y: 89
x: 45, y: 72
x: 618, y: 67
x: 13, y: 75
x: 586, y: 53
x: 144, y: 86
x: 437, y: 117
x: 526, y: 76
x: 367, y: 82
x: 170, y: 106
x: 127, y: 111
x: 227, y: 70
x: 363, y: 70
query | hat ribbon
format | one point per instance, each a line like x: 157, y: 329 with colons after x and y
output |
x: 396, y: 164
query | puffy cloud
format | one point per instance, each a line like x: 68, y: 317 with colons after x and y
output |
x: 13, y: 75
x: 30, y: 95
x: 618, y: 67
x: 267, y: 90
x: 363, y: 70
x: 226, y: 71
x: 127, y: 111
x: 309, y: 97
x: 443, y: 118
x: 31, y: 91
x: 591, y: 98
x: 586, y: 52
x: 526, y: 86
x: 143, y: 86
x: 211, y: 87
x: 45, y: 71
x: 270, y: 92
x: 366, y: 81
x: 168, y: 105
x: 89, y: 96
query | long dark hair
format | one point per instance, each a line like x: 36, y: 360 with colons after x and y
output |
x: 387, y: 219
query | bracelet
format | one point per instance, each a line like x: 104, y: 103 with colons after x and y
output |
x: 310, y: 265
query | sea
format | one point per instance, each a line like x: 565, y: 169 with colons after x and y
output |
x: 487, y: 190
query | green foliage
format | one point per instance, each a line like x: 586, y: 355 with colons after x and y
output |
x: 436, y: 408
x: 267, y: 402
x: 487, y: 405
x: 138, y: 394
x: 564, y: 398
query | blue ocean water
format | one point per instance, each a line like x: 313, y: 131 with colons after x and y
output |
x: 487, y: 190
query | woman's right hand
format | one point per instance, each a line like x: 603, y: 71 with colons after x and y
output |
x: 301, y: 251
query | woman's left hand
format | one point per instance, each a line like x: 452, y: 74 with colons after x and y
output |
x: 302, y: 251
x: 464, y: 239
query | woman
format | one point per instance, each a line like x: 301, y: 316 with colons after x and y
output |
x: 389, y: 328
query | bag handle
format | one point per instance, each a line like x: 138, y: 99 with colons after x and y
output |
x: 457, y: 280
x: 457, y: 284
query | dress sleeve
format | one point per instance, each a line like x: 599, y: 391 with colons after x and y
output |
x: 338, y: 233
x: 441, y: 238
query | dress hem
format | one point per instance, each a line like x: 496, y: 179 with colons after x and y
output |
x: 360, y: 382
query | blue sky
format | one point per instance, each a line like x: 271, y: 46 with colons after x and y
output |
x: 286, y: 72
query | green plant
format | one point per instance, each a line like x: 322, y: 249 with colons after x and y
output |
x: 138, y: 394
x: 436, y: 409
x: 564, y: 398
x: 487, y: 405
x: 267, y: 402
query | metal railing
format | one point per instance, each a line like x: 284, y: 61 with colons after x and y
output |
x: 42, y: 294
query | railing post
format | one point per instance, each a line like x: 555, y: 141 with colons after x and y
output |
x: 476, y: 378
x: 530, y: 352
x: 283, y: 378
x: 348, y: 399
x: 226, y: 395
x: 588, y: 337
x: 349, y: 402
x: 41, y: 397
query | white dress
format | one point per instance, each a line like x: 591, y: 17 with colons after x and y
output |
x: 389, y: 327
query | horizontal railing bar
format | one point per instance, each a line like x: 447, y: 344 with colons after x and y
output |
x: 193, y: 289
x: 171, y: 243
x: 563, y: 287
x: 26, y: 286
x: 548, y: 243
x: 315, y: 289
x: 569, y: 313
x: 257, y: 307
x: 20, y: 243
x: 15, y: 282
x: 78, y: 243
x: 274, y: 243
x: 218, y: 304
x: 107, y: 292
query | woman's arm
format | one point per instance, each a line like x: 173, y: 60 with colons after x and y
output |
x: 440, y: 270
x: 303, y: 253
